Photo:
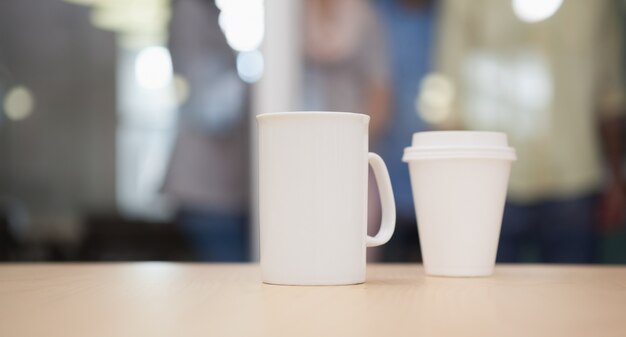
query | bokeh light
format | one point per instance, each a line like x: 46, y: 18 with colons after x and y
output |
x: 535, y: 10
x: 153, y: 67
x: 182, y: 88
x: 435, y: 98
x: 250, y: 66
x: 242, y: 22
x: 19, y: 103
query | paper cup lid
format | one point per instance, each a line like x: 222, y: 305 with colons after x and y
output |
x: 459, y: 144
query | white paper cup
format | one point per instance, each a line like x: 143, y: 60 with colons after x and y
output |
x: 459, y: 181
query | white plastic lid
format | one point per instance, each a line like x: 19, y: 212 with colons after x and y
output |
x: 459, y: 144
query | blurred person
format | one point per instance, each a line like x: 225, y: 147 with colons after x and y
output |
x: 410, y: 35
x: 345, y: 66
x: 345, y: 69
x: 554, y: 85
x: 208, y: 172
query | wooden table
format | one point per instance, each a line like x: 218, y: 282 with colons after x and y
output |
x: 166, y: 299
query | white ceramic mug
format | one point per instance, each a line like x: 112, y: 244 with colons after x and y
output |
x: 313, y: 169
x: 459, y: 181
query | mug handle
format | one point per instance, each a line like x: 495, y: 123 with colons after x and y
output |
x: 386, y: 198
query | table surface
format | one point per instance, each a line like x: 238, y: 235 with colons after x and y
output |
x: 169, y: 299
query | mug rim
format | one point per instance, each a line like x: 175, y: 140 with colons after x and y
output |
x: 354, y: 115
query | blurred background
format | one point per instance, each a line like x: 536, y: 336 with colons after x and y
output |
x: 127, y: 126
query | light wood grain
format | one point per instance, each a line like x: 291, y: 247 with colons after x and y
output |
x: 164, y: 299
